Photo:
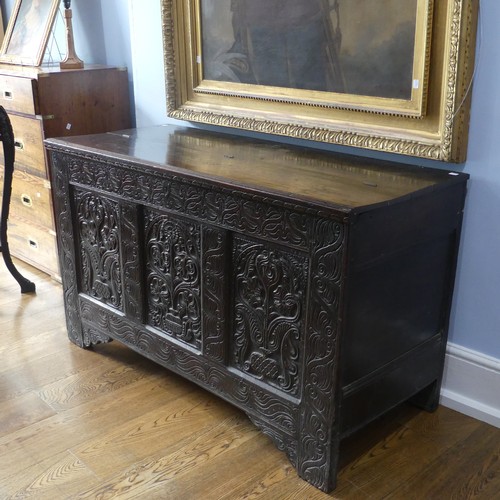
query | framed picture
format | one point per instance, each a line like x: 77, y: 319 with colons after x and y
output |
x: 388, y: 75
x: 28, y: 30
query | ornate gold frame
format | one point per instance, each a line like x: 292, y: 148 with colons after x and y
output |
x: 37, y: 27
x: 432, y: 125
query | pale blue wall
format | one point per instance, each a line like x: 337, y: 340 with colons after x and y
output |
x: 96, y: 41
x: 129, y: 32
x: 476, y: 311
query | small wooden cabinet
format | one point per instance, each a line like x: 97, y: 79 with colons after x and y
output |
x: 309, y: 289
x: 48, y: 102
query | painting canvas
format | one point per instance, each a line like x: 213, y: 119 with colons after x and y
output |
x: 27, y: 32
x: 365, y: 47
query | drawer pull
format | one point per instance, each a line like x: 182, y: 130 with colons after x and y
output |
x: 33, y: 244
x: 26, y: 200
x: 7, y: 94
x: 19, y: 144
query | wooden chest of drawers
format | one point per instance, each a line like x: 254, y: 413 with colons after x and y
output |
x: 43, y: 103
x: 310, y: 290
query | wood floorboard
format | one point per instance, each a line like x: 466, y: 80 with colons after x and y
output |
x: 108, y: 423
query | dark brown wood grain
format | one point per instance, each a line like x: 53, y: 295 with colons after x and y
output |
x: 294, y: 172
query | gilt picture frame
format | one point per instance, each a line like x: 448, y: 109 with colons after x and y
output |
x: 28, y: 31
x: 2, y: 32
x: 405, y: 70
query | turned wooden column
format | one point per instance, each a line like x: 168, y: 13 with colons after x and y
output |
x: 71, y: 61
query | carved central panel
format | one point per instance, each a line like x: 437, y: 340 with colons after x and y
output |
x: 173, y: 271
x: 98, y: 233
x: 269, y: 290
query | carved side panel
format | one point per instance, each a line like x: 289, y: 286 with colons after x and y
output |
x: 215, y: 278
x: 318, y: 443
x: 269, y: 290
x: 99, y: 248
x: 173, y: 276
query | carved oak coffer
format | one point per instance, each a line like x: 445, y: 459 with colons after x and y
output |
x: 309, y: 289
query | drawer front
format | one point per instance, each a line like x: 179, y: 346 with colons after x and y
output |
x: 31, y: 199
x: 28, y: 137
x: 33, y: 244
x: 18, y: 94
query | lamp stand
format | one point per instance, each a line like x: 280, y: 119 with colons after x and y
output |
x: 71, y: 61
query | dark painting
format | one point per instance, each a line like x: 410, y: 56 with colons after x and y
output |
x: 362, y: 47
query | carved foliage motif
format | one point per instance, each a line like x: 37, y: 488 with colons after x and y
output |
x: 269, y: 303
x: 173, y: 276
x: 253, y: 215
x: 342, y: 137
x: 98, y: 236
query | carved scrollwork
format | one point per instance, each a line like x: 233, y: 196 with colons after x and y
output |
x: 282, y: 414
x: 65, y: 237
x: 98, y: 236
x: 173, y: 276
x: 460, y: 40
x: 91, y: 336
x: 269, y: 304
x: 282, y: 442
x: 316, y: 457
x: 252, y: 214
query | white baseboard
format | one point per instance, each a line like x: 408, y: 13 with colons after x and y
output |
x: 471, y: 384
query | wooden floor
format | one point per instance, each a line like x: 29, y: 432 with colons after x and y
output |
x: 106, y: 423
